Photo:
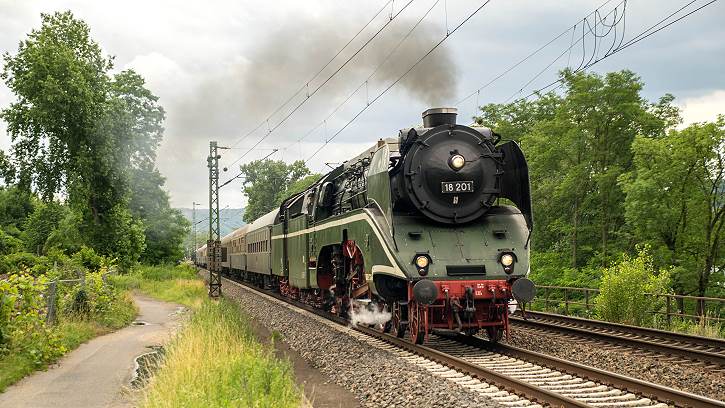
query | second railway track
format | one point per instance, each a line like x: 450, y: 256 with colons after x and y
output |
x: 709, y: 352
x: 533, y: 379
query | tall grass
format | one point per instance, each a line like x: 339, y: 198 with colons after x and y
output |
x: 178, y: 284
x: 216, y: 362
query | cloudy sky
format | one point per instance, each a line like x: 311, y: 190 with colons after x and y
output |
x: 221, y: 68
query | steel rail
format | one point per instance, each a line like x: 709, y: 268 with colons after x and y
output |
x: 513, y: 385
x: 686, y: 351
x: 516, y: 386
x: 650, y: 390
x: 640, y: 331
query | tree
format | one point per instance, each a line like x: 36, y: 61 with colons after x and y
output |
x: 675, y: 199
x: 78, y: 130
x: 266, y: 183
x: 577, y: 146
x: 165, y: 227
x: 40, y: 225
x: 298, y: 187
x: 7, y: 171
x: 15, y: 205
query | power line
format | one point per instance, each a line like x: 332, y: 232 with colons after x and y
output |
x: 582, y: 65
x: 526, y: 58
x: 311, y: 94
x: 366, y: 81
x: 240, y: 173
x: 306, y: 84
x: 448, y: 34
x: 639, y: 37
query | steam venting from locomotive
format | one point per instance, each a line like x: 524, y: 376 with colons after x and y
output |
x: 453, y: 174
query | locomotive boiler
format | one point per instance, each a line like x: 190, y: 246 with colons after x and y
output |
x: 432, y: 226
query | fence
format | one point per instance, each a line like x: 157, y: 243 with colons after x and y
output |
x: 581, y: 301
x: 51, y: 295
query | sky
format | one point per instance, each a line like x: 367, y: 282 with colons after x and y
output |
x: 221, y: 68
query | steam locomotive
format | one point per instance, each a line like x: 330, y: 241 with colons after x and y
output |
x: 431, y: 227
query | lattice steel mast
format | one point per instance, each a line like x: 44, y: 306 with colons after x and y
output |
x: 213, y: 245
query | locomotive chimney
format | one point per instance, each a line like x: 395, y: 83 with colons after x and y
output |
x: 439, y: 116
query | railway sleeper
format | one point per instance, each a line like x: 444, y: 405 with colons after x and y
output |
x: 519, y: 403
x: 508, y: 398
x: 616, y: 398
x: 568, y: 387
x: 561, y: 382
x: 644, y: 402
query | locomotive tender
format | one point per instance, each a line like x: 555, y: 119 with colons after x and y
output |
x: 432, y: 226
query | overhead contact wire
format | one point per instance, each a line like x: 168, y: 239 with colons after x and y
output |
x: 399, y: 79
x: 299, y: 105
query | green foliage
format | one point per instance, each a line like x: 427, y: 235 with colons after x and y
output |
x: 547, y: 269
x: 80, y: 130
x: 40, y: 224
x: 577, y: 146
x: 7, y: 171
x: 18, y: 262
x: 674, y: 200
x: 8, y: 243
x: 22, y: 319
x: 298, y: 187
x: 15, y: 206
x: 165, y: 227
x: 88, y: 258
x: 624, y: 285
x: 266, y: 183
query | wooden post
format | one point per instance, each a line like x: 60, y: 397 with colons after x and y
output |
x: 50, y: 315
x: 669, y: 311
x: 566, y: 301
x: 586, y: 297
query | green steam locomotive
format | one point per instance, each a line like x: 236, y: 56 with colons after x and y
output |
x: 431, y: 229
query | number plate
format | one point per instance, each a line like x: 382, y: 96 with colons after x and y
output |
x: 456, y: 187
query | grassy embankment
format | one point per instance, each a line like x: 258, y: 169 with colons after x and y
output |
x: 243, y: 372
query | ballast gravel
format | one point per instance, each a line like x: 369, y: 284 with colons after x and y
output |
x: 671, y: 372
x: 376, y: 377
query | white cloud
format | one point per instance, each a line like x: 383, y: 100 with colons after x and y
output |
x: 703, y: 108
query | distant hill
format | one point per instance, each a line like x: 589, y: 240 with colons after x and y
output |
x: 229, y: 219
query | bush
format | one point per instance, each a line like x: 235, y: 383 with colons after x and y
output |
x: 9, y: 243
x: 88, y: 258
x: 624, y: 285
x: 96, y: 300
x: 22, y: 319
x: 24, y: 262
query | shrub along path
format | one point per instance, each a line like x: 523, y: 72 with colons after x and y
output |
x: 97, y: 373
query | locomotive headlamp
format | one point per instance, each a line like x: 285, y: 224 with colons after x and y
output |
x: 456, y: 162
x: 421, y: 261
x: 507, y: 259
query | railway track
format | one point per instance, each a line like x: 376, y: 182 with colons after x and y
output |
x: 707, y: 351
x: 514, y: 377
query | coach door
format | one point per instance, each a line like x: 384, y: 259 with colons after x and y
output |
x: 296, y: 238
x: 285, y: 248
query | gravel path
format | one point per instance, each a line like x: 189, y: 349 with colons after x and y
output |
x: 691, y: 378
x: 376, y: 377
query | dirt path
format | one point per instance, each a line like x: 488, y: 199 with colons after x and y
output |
x: 98, y: 373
